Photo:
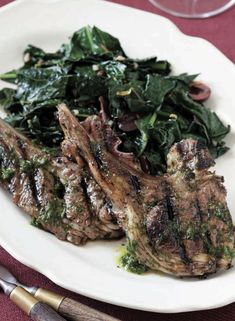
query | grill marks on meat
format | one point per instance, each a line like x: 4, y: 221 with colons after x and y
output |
x: 64, y: 212
x: 179, y: 222
x: 15, y: 181
x: 135, y: 182
x: 84, y: 219
x: 92, y: 207
x: 31, y: 186
x: 212, y: 223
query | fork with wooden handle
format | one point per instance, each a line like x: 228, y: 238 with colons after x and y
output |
x: 69, y: 308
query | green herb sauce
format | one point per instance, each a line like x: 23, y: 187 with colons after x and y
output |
x: 6, y: 174
x: 28, y: 166
x: 53, y: 213
x: 35, y: 222
x: 127, y: 260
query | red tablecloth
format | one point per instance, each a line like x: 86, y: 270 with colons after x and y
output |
x: 220, y: 31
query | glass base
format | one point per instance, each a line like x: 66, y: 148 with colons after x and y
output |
x: 193, y: 8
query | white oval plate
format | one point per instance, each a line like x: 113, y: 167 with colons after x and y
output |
x: 91, y: 269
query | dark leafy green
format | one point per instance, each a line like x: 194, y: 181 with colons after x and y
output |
x: 41, y: 84
x: 157, y: 87
x: 34, y: 56
x: 10, y: 77
x: 88, y: 42
x: 93, y: 64
x: 7, y: 98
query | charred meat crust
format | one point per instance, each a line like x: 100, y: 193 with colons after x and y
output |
x: 178, y: 223
x: 49, y: 190
x: 191, y: 155
x: 166, y: 218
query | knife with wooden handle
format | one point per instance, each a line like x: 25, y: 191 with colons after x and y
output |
x: 69, y: 308
x: 38, y: 311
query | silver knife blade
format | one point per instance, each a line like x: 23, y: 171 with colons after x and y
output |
x: 7, y: 276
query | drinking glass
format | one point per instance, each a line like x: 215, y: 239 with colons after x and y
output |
x: 193, y: 8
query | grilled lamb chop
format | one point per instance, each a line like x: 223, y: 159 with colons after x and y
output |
x: 178, y: 223
x: 57, y: 193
